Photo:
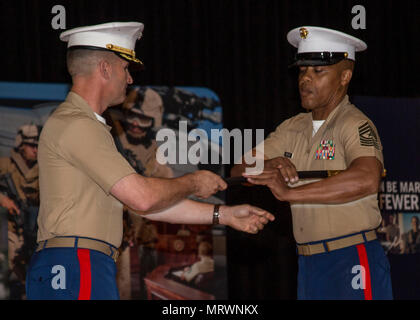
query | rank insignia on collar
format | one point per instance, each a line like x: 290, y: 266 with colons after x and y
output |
x: 325, y: 150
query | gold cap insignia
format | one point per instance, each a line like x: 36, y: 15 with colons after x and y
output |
x: 126, y: 53
x: 303, y: 33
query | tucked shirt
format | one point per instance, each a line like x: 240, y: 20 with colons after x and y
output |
x: 347, y: 134
x: 78, y: 165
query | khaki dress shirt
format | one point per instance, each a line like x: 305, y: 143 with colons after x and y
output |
x: 78, y: 165
x: 346, y: 135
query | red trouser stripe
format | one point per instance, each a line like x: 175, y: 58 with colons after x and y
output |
x: 85, y: 274
x: 361, y: 250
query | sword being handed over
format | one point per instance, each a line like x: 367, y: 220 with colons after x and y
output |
x: 320, y: 174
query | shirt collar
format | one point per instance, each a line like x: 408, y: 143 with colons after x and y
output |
x: 343, y: 102
x: 309, y: 125
x: 82, y: 104
x: 100, y: 118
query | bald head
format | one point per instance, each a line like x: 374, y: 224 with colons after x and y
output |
x: 81, y: 62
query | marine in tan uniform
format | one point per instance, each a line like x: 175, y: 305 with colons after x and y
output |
x: 337, y: 214
x: 85, y: 181
x: 334, y: 147
x: 22, y: 167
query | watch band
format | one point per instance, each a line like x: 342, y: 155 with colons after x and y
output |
x: 216, y: 214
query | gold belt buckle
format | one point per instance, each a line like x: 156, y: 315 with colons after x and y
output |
x: 115, y: 254
x: 327, y: 246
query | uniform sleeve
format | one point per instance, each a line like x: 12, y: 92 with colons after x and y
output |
x: 88, y: 146
x: 361, y: 139
x: 274, y: 144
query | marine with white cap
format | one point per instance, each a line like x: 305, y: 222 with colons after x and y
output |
x: 321, y: 46
x: 334, y: 219
x: 84, y: 181
x: 117, y: 37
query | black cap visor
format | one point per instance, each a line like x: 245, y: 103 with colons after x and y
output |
x: 318, y: 58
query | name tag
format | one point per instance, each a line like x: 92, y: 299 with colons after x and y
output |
x: 288, y: 155
x: 325, y: 150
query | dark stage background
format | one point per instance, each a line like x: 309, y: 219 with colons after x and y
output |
x: 239, y: 50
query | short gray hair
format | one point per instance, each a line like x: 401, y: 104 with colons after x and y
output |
x: 82, y: 62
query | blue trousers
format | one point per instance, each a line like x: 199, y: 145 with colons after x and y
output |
x: 71, y: 274
x: 359, y: 272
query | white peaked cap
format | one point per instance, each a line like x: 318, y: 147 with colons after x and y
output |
x: 319, y: 40
x: 119, y: 37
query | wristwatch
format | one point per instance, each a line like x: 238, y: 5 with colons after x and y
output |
x: 216, y: 214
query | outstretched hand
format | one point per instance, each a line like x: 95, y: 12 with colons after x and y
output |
x: 245, y: 217
x: 273, y: 179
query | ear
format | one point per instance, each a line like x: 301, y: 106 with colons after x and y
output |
x: 346, y: 75
x: 105, y: 69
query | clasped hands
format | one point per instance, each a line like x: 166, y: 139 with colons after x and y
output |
x: 246, y: 218
x: 277, y: 173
